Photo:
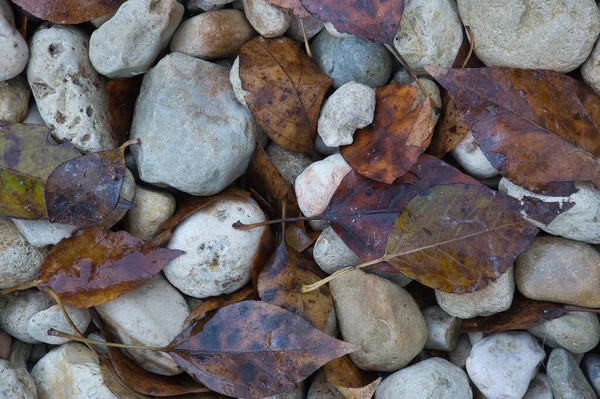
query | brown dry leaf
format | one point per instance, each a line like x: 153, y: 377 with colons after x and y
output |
x: 95, y: 266
x: 218, y: 302
x: 122, y: 94
x: 352, y: 382
x: 68, y: 11
x: 400, y: 132
x: 298, y: 238
x: 295, y: 6
x: 449, y: 131
x: 285, y: 91
x: 114, y: 383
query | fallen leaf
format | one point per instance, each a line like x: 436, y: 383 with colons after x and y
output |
x: 68, y: 11
x: 114, y: 383
x: 298, y: 238
x: 352, y: 382
x: 253, y: 349
x: 285, y: 90
x: 400, y: 132
x: 95, y: 266
x: 21, y: 196
x: 538, y: 128
x: 541, y: 211
x: 450, y: 130
x: 458, y: 238
x: 122, y: 94
x: 423, y: 295
x: 218, y: 302
x: 295, y: 6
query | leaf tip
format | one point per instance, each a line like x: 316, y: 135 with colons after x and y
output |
x: 435, y: 71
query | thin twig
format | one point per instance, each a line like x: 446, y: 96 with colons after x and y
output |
x: 55, y: 333
x: 308, y: 52
x: 471, y: 45
x: 20, y: 287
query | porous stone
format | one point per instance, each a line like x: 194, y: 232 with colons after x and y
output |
x: 458, y: 356
x: 16, y: 383
x: 290, y: 164
x: 69, y: 93
x: 218, y: 258
x: 430, y: 34
x: 590, y: 70
x: 312, y: 26
x: 559, y: 270
x: 70, y: 371
x: 443, y: 330
x: 591, y: 369
x: 222, y: 131
x: 152, y: 209
x: 14, y: 48
x: 351, y: 59
x: 577, y: 332
x: 349, y: 108
x: 431, y: 378
x: 39, y: 324
x: 539, y: 388
x: 494, y: 298
x: 267, y: 20
x: 150, y: 315
x: 17, y: 308
x: 540, y: 34
x: 236, y: 82
x: 580, y: 211
x: 322, y: 389
x: 14, y: 99
x: 469, y: 155
x: 381, y: 318
x: 503, y: 364
x: 566, y: 378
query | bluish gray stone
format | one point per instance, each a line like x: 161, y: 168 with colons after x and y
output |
x: 566, y: 378
x: 591, y: 370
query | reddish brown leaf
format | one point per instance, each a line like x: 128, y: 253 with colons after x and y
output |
x: 95, y: 265
x: 114, y: 383
x: 372, y: 20
x: 298, y: 238
x: 68, y: 11
x: 449, y: 131
x: 122, y: 94
x: 543, y: 212
x: 218, y: 302
x: 352, y: 382
x: 295, y: 6
x: 285, y: 91
x: 400, y: 132
x: 514, y: 113
x: 254, y: 349
x: 458, y: 238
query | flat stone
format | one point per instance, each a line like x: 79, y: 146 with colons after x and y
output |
x: 14, y: 99
x: 14, y: 48
x: 566, y: 378
x: 577, y: 332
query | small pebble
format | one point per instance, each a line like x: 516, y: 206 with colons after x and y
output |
x: 206, y: 5
x: 566, y: 378
x: 443, y: 330
x: 591, y: 369
x: 290, y: 164
x: 267, y: 20
x: 469, y: 155
x: 14, y: 100
x: 152, y: 209
x: 458, y: 356
x: 14, y: 48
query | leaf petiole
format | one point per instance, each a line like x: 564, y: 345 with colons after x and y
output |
x: 55, y: 333
x: 311, y: 287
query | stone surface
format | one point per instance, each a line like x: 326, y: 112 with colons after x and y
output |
x: 39, y: 324
x: 206, y: 5
x: 312, y: 26
x: 14, y: 99
x: 577, y: 332
x: 430, y: 34
x: 16, y: 383
x: 222, y: 131
x: 544, y: 34
x: 351, y: 59
x: 496, y: 297
x: 218, y: 258
x: 290, y: 164
x: 129, y: 43
x: 559, y: 270
x: 70, y: 371
x: 468, y: 154
x: 151, y: 315
x: 267, y: 20
x: 17, y: 308
x: 590, y: 70
x: 503, y: 364
x: 20, y: 262
x: 19, y: 353
x: 539, y: 388
x: 69, y: 93
x: 213, y: 34
x: 381, y: 318
x: 591, y: 369
x: 431, y: 378
x: 236, y: 82
x: 14, y: 48
x: 442, y: 329
x: 322, y: 389
x: 5, y: 342
x: 152, y: 208
x: 350, y: 107
x: 431, y: 88
x: 580, y: 222
x: 322, y: 149
x: 33, y: 114
x: 458, y: 356
x: 566, y: 378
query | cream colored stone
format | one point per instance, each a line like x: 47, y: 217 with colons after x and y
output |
x: 152, y: 209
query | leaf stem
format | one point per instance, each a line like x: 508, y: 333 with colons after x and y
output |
x: 55, y: 333
x: 20, y: 287
x: 130, y: 142
x: 570, y: 308
x: 311, y: 287
x: 471, y: 45
x: 308, y: 52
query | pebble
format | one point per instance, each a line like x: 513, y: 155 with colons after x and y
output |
x: 14, y: 48
x: 503, y: 364
x: 539, y: 388
x: 431, y: 378
x: 19, y: 353
x: 236, y: 83
x: 206, y: 5
x: 559, y: 270
x: 431, y: 88
x: 590, y: 70
x: 151, y: 315
x: 317, y: 184
x: 129, y: 43
x: 290, y: 164
x: 69, y: 93
x: 539, y: 34
x: 390, y: 336
x: 267, y: 20
x: 351, y: 59
x: 349, y: 108
x: 566, y: 378
x: 469, y: 156
x: 322, y: 389
x: 14, y: 100
x: 591, y: 369
x: 20, y: 262
x: 213, y: 34
x: 70, y: 371
x: 39, y: 324
x: 322, y: 149
x: 577, y: 332
x: 312, y: 26
x: 33, y: 114
x: 458, y: 356
x: 218, y: 258
x: 152, y: 209
x: 494, y: 298
x: 17, y: 308
x: 579, y: 223
x: 16, y: 383
x: 223, y: 131
x: 430, y: 34
x: 443, y: 330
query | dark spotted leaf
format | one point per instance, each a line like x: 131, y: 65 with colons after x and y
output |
x: 218, y: 302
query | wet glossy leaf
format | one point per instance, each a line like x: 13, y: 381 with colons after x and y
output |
x: 21, y: 196
x: 372, y: 20
x: 285, y: 90
x: 295, y: 6
x: 400, y: 132
x: 95, y: 265
x: 449, y: 131
x: 122, y: 94
x: 68, y: 11
x: 352, y: 382
x: 516, y: 113
x: 218, y: 302
x: 254, y: 349
x: 458, y: 238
